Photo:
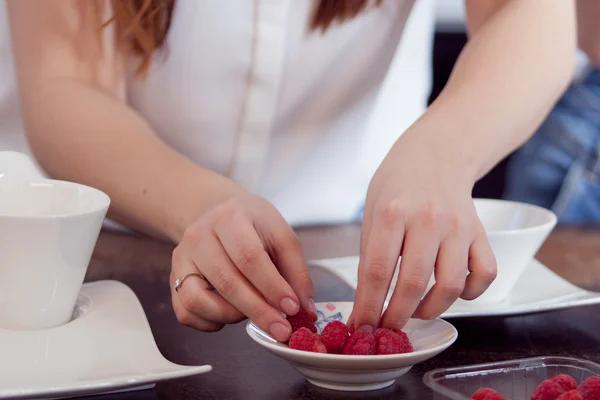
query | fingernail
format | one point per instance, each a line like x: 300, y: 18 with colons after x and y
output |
x: 289, y: 306
x: 365, y: 329
x: 279, y: 331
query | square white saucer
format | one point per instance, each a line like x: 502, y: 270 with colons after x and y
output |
x: 538, y: 289
x: 107, y: 347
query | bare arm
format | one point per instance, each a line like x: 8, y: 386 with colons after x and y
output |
x: 71, y: 84
x: 79, y: 126
x: 518, y: 61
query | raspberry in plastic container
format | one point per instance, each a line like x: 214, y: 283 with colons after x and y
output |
x: 487, y: 394
x: 547, y: 390
x: 570, y: 395
x: 590, y: 388
x: 565, y: 381
x: 517, y: 379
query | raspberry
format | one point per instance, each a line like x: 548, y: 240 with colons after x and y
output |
x: 388, y: 342
x: 304, y: 339
x: 487, y: 394
x: 590, y: 388
x: 319, y: 347
x: 302, y: 319
x: 547, y: 390
x: 407, y: 345
x: 570, y: 395
x: 334, y: 336
x: 565, y: 381
x: 360, y: 344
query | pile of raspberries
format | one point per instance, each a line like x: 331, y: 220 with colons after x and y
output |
x: 337, y: 338
x: 561, y: 387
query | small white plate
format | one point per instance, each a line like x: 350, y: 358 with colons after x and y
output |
x: 359, y: 373
x: 537, y: 290
x: 107, y: 347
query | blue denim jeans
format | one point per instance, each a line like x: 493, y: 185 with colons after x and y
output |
x: 559, y: 167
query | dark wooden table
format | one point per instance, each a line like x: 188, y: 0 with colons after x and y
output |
x: 243, y: 370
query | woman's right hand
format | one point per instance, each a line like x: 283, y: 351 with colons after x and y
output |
x: 252, y: 258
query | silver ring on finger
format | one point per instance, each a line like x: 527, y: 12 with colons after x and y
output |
x: 178, y: 282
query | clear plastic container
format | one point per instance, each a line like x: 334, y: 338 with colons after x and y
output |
x: 515, y: 380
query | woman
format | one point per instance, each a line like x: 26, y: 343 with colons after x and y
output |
x: 235, y: 120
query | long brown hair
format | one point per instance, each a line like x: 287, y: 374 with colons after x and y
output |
x: 142, y: 25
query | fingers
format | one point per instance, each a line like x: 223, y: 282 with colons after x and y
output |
x: 220, y: 271
x: 482, y: 267
x: 196, y: 297
x: 350, y: 322
x: 450, y: 275
x: 288, y: 256
x: 235, y: 257
x: 367, y: 221
x: 418, y: 259
x: 243, y: 246
x: 191, y: 320
x: 449, y: 240
x: 377, y: 266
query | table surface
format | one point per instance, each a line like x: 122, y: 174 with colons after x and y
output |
x: 243, y: 370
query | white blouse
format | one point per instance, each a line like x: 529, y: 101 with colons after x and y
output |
x: 300, y: 118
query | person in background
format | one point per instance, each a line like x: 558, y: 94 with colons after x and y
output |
x: 217, y: 125
x: 559, y: 167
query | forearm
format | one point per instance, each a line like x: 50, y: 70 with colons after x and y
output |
x: 506, y: 80
x: 81, y: 134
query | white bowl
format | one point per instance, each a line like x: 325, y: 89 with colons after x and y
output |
x: 515, y: 232
x: 359, y: 373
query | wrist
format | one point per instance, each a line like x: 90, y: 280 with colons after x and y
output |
x: 458, y: 159
x: 449, y: 153
x: 199, y: 194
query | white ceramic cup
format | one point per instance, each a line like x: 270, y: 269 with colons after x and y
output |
x: 515, y: 232
x: 48, y: 230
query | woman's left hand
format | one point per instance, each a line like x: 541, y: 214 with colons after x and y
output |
x: 419, y: 206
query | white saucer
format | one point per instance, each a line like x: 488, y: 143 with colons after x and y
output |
x: 538, y: 289
x: 108, y: 347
